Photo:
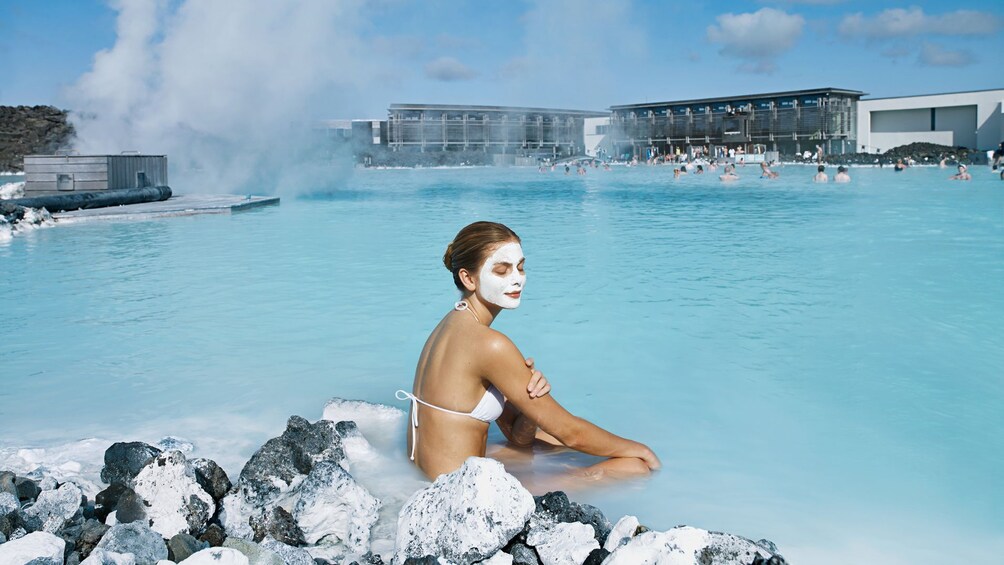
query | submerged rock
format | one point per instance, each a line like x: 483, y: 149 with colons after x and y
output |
x: 124, y: 460
x: 38, y: 548
x: 53, y: 508
x: 464, y: 516
x: 175, y: 501
x: 147, y: 545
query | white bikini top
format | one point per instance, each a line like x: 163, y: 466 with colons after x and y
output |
x: 487, y: 410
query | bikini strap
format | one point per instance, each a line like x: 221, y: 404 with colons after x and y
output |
x: 415, y: 401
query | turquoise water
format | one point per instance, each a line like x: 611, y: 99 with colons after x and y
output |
x: 820, y: 365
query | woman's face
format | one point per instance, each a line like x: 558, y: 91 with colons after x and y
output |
x: 501, y: 279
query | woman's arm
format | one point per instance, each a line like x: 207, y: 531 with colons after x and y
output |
x: 505, y: 368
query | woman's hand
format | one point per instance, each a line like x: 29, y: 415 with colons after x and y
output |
x: 538, y: 385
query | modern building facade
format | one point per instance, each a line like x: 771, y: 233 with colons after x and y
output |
x: 84, y: 173
x: 527, y: 132
x: 789, y: 122
x: 972, y: 119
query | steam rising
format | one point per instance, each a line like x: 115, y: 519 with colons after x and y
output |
x: 228, y: 90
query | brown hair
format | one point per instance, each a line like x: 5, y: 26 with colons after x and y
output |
x: 472, y: 245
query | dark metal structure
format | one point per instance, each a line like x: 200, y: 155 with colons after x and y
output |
x: 532, y: 132
x: 789, y: 122
x: 83, y: 173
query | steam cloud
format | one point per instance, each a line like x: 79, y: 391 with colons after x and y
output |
x: 227, y: 90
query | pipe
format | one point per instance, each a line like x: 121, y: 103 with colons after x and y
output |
x: 96, y: 199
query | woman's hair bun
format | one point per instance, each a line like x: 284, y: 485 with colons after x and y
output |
x: 448, y: 257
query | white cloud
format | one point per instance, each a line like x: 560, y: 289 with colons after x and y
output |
x: 449, y: 69
x: 936, y: 56
x: 906, y: 22
x: 756, y: 38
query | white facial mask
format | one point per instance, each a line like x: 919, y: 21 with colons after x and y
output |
x: 496, y: 289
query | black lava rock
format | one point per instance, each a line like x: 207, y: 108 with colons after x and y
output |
x: 427, y: 560
x: 90, y: 534
x: 214, y: 535
x: 775, y: 560
x: 6, y: 526
x: 212, y: 478
x: 130, y: 508
x: 182, y: 546
x: 288, y: 456
x: 108, y: 499
x: 27, y: 489
x: 278, y: 524
x: 123, y: 461
x: 523, y: 554
x: 596, y: 556
x: 556, y: 506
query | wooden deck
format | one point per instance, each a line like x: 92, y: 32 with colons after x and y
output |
x: 180, y: 205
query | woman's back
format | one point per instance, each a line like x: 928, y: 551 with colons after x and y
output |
x: 448, y: 376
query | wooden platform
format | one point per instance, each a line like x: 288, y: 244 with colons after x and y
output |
x: 180, y: 205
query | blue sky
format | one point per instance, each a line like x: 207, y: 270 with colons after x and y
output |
x: 560, y: 53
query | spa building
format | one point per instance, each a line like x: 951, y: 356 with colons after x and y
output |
x: 523, y: 132
x: 786, y: 122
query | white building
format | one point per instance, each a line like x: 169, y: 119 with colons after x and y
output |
x: 594, y: 136
x: 959, y: 119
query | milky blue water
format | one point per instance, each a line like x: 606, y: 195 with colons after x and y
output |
x: 821, y: 365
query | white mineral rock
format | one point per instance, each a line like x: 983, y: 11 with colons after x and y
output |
x: 465, y: 516
x: 334, y: 508
x: 687, y: 545
x: 136, y: 538
x: 177, y: 503
x: 53, y: 508
x: 565, y: 543
x: 38, y: 548
x: 217, y: 556
x: 105, y: 557
x: 621, y: 533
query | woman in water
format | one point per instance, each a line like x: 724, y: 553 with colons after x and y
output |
x: 470, y: 375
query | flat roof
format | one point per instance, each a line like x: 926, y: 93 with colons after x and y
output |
x: 939, y: 94
x: 742, y: 97
x: 529, y: 110
x: 97, y: 155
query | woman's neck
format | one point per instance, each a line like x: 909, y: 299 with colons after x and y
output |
x: 484, y: 312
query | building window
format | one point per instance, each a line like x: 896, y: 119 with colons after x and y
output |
x: 602, y: 130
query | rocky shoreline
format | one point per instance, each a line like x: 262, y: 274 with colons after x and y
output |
x: 297, y: 502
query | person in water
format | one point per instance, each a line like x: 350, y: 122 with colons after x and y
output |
x: 729, y: 174
x: 841, y: 175
x: 963, y: 174
x: 900, y: 165
x: 821, y: 174
x: 765, y: 172
x: 469, y: 374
